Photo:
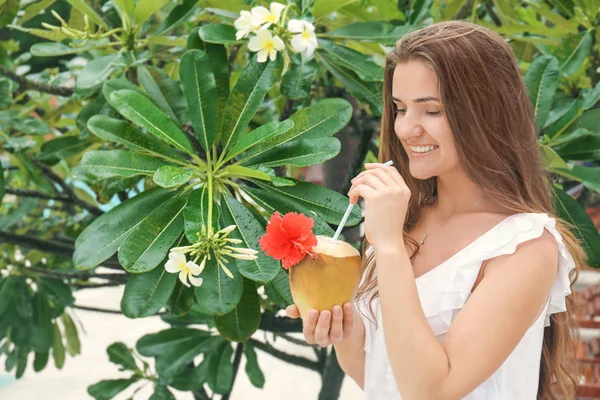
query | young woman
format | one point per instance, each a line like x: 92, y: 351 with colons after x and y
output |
x: 466, y: 292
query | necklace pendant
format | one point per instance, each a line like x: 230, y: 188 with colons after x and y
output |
x: 423, y: 239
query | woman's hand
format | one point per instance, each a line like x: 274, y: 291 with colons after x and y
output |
x: 327, y: 327
x: 386, y: 203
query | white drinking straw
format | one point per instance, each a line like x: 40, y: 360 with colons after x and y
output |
x: 347, y: 213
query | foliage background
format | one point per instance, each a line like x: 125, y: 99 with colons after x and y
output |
x: 103, y: 150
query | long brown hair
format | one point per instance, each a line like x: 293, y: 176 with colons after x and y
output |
x: 493, y: 124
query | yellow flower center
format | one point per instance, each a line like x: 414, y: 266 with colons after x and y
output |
x: 272, y: 18
x: 269, y: 44
x: 305, y: 35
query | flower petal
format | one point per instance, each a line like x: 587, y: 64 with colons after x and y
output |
x: 193, y: 267
x: 298, y: 44
x: 260, y: 13
x: 177, y: 257
x: 262, y: 55
x: 277, y: 8
x: 295, y: 25
x: 183, y: 277
x: 196, y: 281
x: 172, y: 267
x: 254, y: 44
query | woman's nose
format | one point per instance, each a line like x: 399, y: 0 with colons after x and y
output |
x: 408, y: 128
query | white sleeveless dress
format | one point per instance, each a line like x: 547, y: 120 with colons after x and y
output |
x: 444, y: 290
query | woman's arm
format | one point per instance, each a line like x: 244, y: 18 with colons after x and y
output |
x: 499, y: 312
x: 343, y: 329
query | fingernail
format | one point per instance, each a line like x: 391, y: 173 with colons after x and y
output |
x: 313, y: 314
x: 336, y: 312
x: 325, y: 316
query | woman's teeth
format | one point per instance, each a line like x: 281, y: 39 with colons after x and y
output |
x: 423, y: 149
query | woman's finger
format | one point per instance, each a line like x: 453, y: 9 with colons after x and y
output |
x: 322, y: 331
x: 361, y: 190
x: 292, y: 311
x: 384, y: 176
x: 309, y: 326
x: 348, y: 319
x: 336, y: 333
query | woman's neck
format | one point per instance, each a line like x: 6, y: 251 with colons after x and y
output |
x: 455, y: 193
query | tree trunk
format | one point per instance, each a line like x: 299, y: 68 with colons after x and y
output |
x: 332, y: 378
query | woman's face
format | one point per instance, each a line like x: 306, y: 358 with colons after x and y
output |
x: 420, y: 123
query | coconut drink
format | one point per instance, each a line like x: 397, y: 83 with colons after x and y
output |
x: 323, y: 271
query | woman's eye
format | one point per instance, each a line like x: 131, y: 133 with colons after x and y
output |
x: 433, y: 113
x: 400, y: 110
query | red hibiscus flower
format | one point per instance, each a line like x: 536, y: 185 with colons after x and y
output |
x: 288, y: 238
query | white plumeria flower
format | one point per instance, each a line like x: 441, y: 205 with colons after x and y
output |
x: 266, y: 45
x: 187, y: 270
x: 263, y: 16
x: 245, y: 24
x: 306, y: 40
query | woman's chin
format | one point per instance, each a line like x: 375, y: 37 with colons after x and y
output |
x: 422, y: 173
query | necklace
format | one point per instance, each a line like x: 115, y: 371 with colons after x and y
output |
x: 426, y: 235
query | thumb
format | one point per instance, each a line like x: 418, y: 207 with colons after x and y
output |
x: 292, y: 311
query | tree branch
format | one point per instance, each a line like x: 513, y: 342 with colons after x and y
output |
x: 99, y: 310
x: 239, y: 350
x: 120, y: 278
x: 289, y: 358
x: 26, y: 84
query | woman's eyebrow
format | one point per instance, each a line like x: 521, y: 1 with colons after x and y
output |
x: 420, y: 99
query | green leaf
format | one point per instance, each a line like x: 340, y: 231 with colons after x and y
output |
x: 255, y: 374
x: 42, y: 333
x: 264, y: 268
x: 372, y: 31
x: 71, y: 335
x: 30, y: 126
x: 360, y: 63
x: 55, y: 49
x: 240, y: 323
x: 178, y: 14
x: 19, y: 144
x: 578, y: 54
x: 96, y: 72
x: 119, y: 353
x: 272, y: 201
x: 36, y: 175
x: 164, y: 91
x: 219, y: 65
x: 582, y: 226
x: 150, y: 241
x: 194, y: 377
x: 33, y: 10
x: 219, y: 294
x: 113, y: 85
x: 591, y: 97
x: 143, y: 112
x: 145, y: 294
x: 58, y: 348
x: 322, y: 8
x: 84, y: 7
x: 175, y: 348
x: 589, y: 176
x: 278, y: 290
x: 1, y: 183
x: 104, y: 164
x: 419, y: 10
x: 237, y: 170
x: 223, y: 368
x: 367, y: 92
x: 550, y: 160
x: 258, y: 136
x: 320, y: 120
x: 5, y: 93
x: 199, y: 87
x: 55, y: 36
x: 146, y: 8
x: 181, y: 300
x: 300, y: 153
x: 108, y: 389
x: 327, y: 204
x: 196, y: 214
x: 57, y: 291
x: 297, y: 82
x: 61, y: 148
x: 583, y: 146
x: 101, y: 239
x: 218, y: 33
x: 120, y: 131
x: 161, y: 392
x: 247, y: 96
x: 541, y: 80
x: 171, y: 176
x: 40, y: 361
